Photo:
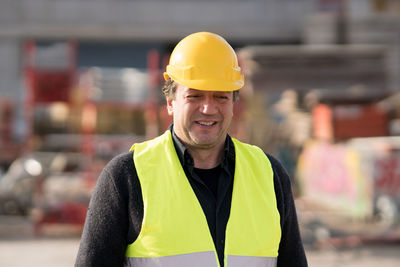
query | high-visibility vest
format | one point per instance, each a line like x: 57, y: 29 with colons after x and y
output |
x: 174, y: 230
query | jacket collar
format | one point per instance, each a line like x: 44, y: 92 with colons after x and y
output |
x: 186, y: 159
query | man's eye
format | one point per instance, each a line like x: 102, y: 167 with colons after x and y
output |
x: 193, y: 96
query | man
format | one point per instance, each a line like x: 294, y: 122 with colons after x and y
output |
x: 194, y: 196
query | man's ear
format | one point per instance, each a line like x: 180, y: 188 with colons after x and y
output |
x: 169, y: 106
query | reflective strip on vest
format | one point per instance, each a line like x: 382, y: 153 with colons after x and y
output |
x: 197, y: 259
x: 200, y: 259
x: 240, y: 261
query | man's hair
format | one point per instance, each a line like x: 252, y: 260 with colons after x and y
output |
x: 169, y: 90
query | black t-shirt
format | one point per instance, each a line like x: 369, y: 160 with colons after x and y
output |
x: 209, y: 177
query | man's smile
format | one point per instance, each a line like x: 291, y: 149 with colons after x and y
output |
x: 206, y: 123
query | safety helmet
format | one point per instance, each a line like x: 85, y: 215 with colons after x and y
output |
x: 205, y: 61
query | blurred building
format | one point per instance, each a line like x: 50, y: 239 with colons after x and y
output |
x: 122, y: 33
x: 374, y: 22
x: 119, y: 33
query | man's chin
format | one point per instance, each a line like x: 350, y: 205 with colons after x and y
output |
x: 204, y: 143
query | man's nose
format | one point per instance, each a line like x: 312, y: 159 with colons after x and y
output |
x: 208, y: 105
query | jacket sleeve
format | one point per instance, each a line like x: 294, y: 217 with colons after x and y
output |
x: 291, y: 250
x: 106, y: 231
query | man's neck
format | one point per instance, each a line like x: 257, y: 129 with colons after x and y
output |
x: 207, y: 158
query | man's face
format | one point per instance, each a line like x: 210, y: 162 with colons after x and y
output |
x: 201, y: 118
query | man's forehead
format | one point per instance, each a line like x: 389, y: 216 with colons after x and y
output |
x: 192, y: 90
x: 184, y: 88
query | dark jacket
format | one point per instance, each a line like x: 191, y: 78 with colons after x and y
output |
x: 115, y: 211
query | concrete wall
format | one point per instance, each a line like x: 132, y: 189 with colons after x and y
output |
x: 10, y: 74
x: 275, y: 69
x: 139, y: 21
x: 104, y: 19
x: 362, y: 24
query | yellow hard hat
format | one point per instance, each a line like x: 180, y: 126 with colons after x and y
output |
x: 205, y: 61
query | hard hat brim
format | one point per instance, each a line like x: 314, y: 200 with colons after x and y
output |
x: 209, y: 84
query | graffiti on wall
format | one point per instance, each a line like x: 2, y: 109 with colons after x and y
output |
x: 332, y: 176
x: 386, y: 175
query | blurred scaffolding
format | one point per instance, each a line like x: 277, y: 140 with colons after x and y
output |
x: 321, y: 94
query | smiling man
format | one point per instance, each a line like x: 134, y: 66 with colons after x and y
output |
x: 194, y: 196
x: 201, y: 122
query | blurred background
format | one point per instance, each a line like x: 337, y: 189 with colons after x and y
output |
x: 80, y: 83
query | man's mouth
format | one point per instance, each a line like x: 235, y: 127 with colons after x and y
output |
x: 206, y: 123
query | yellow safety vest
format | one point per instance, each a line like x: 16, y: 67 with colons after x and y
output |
x: 174, y: 230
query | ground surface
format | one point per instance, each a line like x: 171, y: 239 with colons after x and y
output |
x: 19, y: 248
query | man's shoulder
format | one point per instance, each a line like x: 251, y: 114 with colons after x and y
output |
x: 275, y: 163
x: 122, y: 158
x: 281, y: 176
x: 120, y: 172
x: 120, y: 163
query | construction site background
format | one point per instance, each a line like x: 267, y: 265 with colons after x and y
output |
x: 321, y: 94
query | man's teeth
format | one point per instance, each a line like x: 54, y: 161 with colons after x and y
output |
x: 206, y: 123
